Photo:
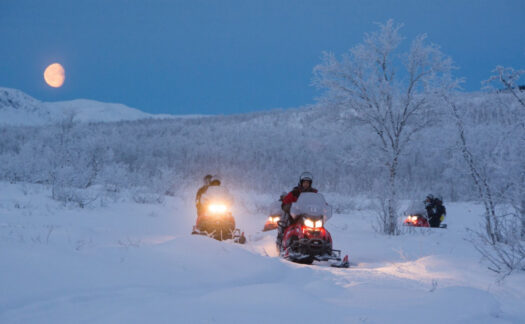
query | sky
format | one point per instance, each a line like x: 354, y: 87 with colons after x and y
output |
x: 225, y: 56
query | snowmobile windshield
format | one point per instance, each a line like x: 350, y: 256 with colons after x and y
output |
x: 217, y: 194
x: 311, y: 204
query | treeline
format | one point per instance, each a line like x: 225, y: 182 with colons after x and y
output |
x: 261, y: 151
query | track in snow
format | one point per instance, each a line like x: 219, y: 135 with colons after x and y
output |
x: 139, y: 263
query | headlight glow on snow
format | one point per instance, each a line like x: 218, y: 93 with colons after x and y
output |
x: 216, y: 208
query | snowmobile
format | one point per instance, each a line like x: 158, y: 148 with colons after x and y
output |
x: 306, y: 240
x: 418, y: 219
x: 275, y: 212
x: 272, y: 222
x: 214, y: 217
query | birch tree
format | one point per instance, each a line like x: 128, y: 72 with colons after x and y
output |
x: 389, y: 90
x: 501, y: 240
x: 508, y: 78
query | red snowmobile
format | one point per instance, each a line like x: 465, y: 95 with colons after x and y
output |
x: 275, y: 212
x: 272, y: 222
x: 214, y: 217
x: 306, y: 240
x: 417, y: 220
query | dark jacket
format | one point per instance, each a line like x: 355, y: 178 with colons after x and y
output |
x: 435, y: 210
x: 200, y: 192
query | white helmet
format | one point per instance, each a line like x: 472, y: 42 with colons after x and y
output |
x: 306, y: 176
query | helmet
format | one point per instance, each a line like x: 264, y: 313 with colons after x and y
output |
x: 306, y: 176
x: 429, y: 199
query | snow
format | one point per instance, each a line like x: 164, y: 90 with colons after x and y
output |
x: 250, y: 146
x: 121, y: 261
x: 18, y: 108
x: 90, y: 110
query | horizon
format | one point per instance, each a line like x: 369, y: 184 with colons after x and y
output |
x: 312, y: 104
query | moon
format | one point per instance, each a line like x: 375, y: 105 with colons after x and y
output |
x: 54, y: 75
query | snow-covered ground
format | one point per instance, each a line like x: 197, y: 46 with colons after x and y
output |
x: 120, y: 261
x: 18, y: 108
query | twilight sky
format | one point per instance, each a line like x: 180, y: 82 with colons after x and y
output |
x: 225, y: 56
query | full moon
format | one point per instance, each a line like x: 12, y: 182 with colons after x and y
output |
x: 55, y: 75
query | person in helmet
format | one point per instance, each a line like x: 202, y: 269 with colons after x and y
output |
x: 305, y: 185
x: 436, y: 211
x: 208, y: 181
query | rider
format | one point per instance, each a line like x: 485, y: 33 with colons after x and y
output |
x: 436, y: 211
x: 208, y: 182
x: 305, y: 185
x: 207, y: 179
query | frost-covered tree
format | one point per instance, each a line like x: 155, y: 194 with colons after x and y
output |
x: 391, y: 91
x: 495, y: 161
x: 508, y: 253
x: 508, y: 78
x: 253, y: 152
x: 506, y: 81
x: 482, y: 184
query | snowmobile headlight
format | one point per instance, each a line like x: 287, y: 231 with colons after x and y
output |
x: 275, y: 219
x: 413, y: 218
x: 318, y: 224
x: 308, y: 223
x: 217, y: 208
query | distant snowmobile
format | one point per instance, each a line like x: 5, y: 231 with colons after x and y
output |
x: 275, y: 216
x: 418, y: 215
x: 306, y: 240
x: 214, y: 217
x: 418, y: 218
x: 272, y: 222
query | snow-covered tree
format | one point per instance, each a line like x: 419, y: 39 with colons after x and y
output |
x: 506, y: 80
x: 254, y: 152
x: 390, y: 91
x: 496, y: 164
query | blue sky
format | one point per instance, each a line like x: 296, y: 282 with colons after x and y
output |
x: 223, y: 57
